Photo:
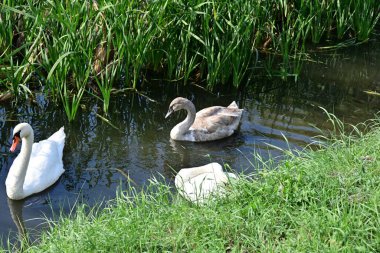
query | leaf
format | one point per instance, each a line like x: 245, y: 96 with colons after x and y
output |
x: 58, y: 62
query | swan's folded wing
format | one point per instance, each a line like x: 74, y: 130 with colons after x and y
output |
x: 45, y: 166
x: 59, y: 138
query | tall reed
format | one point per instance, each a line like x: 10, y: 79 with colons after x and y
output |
x: 212, y: 43
x: 365, y: 16
x: 342, y: 18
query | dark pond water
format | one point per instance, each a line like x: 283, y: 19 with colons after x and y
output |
x: 97, y: 157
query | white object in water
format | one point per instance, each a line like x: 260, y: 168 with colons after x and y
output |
x: 200, y: 183
x: 38, y: 166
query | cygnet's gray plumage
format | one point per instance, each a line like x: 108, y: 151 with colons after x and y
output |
x: 211, y: 123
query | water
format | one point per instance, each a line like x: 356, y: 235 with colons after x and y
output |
x: 99, y: 158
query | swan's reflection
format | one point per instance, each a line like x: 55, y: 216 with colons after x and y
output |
x: 15, y: 208
x: 182, y: 153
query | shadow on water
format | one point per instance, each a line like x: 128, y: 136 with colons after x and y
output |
x: 99, y: 158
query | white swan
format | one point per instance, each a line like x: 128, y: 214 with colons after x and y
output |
x: 200, y: 183
x: 37, y: 166
x: 211, y: 123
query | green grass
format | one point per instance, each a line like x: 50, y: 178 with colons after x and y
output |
x: 75, y: 45
x: 312, y: 201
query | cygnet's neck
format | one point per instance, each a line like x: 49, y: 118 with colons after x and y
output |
x: 182, y: 127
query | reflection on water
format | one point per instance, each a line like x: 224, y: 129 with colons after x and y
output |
x: 15, y: 209
x: 99, y: 158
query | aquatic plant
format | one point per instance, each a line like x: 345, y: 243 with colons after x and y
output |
x: 211, y: 43
x: 365, y: 15
x: 105, y: 82
x: 342, y: 18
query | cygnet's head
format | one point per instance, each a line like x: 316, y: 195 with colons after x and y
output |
x: 178, y: 104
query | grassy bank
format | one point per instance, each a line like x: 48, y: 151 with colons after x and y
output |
x: 70, y: 48
x: 315, y: 201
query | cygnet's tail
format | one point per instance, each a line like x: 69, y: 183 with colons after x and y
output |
x: 233, y: 105
x: 235, y: 112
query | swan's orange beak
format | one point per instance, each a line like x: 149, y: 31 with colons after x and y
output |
x: 15, y: 142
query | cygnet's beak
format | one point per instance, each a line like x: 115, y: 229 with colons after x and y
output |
x: 169, y: 112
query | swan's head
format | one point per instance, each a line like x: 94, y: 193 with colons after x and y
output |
x: 178, y: 104
x: 22, y: 130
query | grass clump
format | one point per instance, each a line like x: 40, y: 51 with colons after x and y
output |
x: 316, y: 201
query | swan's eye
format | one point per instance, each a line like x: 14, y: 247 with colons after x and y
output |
x: 16, y: 135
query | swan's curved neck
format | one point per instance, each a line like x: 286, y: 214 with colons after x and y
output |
x: 184, y: 126
x: 17, y: 173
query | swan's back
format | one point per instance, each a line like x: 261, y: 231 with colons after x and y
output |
x: 197, y: 184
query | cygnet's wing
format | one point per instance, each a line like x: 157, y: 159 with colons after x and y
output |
x: 216, y: 118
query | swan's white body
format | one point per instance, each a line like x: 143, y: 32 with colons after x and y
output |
x: 200, y: 183
x: 209, y: 124
x: 38, y: 166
